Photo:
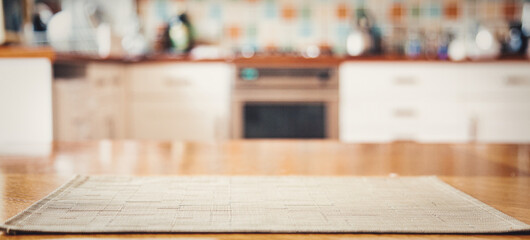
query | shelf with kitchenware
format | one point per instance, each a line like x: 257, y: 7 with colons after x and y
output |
x: 141, y: 30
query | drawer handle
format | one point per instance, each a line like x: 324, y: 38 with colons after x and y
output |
x: 517, y: 81
x: 404, y: 113
x: 99, y: 83
x: 405, y: 81
x: 176, y: 82
x: 405, y: 137
x: 116, y: 81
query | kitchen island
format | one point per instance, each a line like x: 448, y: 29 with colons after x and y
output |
x: 497, y: 174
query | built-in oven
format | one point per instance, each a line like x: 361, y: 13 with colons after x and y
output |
x: 285, y: 101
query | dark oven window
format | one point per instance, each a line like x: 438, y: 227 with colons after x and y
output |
x: 284, y: 120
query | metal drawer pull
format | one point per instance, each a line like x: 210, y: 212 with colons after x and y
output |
x: 405, y: 81
x: 404, y: 136
x: 176, y: 82
x: 404, y: 113
x: 116, y: 81
x: 99, y: 83
x: 517, y: 81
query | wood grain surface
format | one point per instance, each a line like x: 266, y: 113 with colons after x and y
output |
x: 27, y: 52
x: 497, y: 174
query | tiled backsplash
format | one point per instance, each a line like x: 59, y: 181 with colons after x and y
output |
x: 292, y: 25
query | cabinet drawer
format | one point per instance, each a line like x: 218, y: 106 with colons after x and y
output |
x: 157, y: 121
x: 182, y: 97
x: 399, y: 81
x: 498, y: 82
x: 375, y: 112
x: 377, y: 77
x: 365, y: 133
x: 105, y: 78
x: 370, y: 121
x: 431, y: 122
x: 501, y: 122
x: 379, y: 132
x: 421, y: 132
x: 444, y: 131
x: 71, y: 113
x: 498, y: 77
x: 168, y: 78
x: 442, y: 112
x: 513, y: 131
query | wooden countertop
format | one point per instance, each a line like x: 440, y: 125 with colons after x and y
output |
x: 497, y: 174
x: 280, y: 60
x: 273, y: 60
x: 27, y: 52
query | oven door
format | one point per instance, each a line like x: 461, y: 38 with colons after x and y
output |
x: 316, y: 119
x: 284, y: 120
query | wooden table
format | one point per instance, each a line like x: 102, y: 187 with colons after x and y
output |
x: 498, y: 175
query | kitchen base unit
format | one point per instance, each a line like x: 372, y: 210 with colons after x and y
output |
x: 435, y: 102
x: 148, y: 101
x: 285, y: 102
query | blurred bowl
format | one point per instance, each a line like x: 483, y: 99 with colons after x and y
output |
x: 59, y: 31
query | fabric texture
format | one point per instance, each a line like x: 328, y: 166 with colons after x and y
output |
x: 291, y: 204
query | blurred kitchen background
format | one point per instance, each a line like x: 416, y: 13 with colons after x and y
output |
x: 206, y: 70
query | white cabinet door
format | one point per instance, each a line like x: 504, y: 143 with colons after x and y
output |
x: 173, y: 78
x: 71, y: 115
x: 497, y: 82
x: 107, y: 100
x: 444, y: 122
x: 180, y: 101
x: 400, y: 81
x: 402, y: 101
x: 91, y: 107
x: 505, y: 122
x: 442, y: 102
x: 25, y: 100
x: 498, y: 99
x: 173, y: 121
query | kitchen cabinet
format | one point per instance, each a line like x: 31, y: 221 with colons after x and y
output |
x: 179, y: 101
x: 107, y: 102
x: 435, y: 102
x: 26, y: 102
x: 498, y: 97
x: 71, y: 114
x: 151, y: 101
x: 379, y: 101
x: 91, y: 106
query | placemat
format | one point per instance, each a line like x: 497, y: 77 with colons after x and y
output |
x: 292, y: 204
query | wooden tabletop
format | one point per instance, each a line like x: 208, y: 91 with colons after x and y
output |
x: 497, y: 174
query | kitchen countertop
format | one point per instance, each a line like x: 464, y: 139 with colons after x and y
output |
x: 280, y: 60
x: 271, y: 59
x: 27, y: 52
x: 497, y: 174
